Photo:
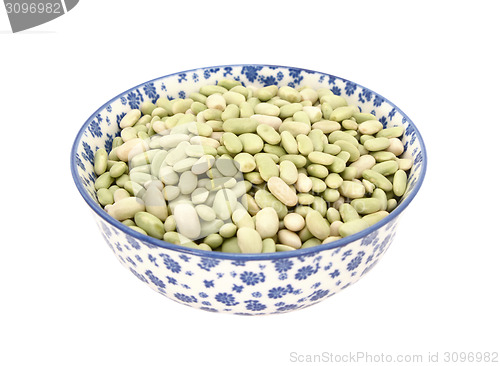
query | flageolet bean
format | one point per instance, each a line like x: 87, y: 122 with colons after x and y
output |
x: 317, y: 225
x: 399, y: 183
x: 307, y: 167
x: 267, y: 222
x: 249, y: 240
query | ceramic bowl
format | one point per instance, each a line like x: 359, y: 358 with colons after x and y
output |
x: 250, y: 284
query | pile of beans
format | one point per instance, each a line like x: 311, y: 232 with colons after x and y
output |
x: 251, y: 170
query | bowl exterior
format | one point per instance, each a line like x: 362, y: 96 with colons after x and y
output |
x: 248, y: 287
x: 242, y: 284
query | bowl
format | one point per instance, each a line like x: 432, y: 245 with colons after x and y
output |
x: 247, y: 284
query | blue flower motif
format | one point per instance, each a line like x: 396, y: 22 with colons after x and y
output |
x: 109, y: 108
x: 282, y: 276
x: 377, y: 102
x: 238, y: 263
x: 134, y: 243
x: 346, y: 254
x: 383, y: 120
x: 251, y: 278
x: 256, y: 294
x: 334, y: 274
x: 95, y: 129
x: 185, y: 298
x: 208, y: 263
x: 304, y: 272
x: 282, y: 264
x: 212, y: 310
x: 319, y: 294
x: 105, y: 230
x: 139, y: 276
x: 392, y: 113
x: 88, y: 154
x: 228, y: 70
x: 336, y: 90
x: 251, y: 72
x: 154, y: 279
x: 171, y: 280
x: 350, y: 87
x: 418, y: 158
x: 208, y: 284
x: 135, y: 99
x: 195, y: 77
x: 237, y: 288
x: 268, y: 80
x: 170, y: 263
x: 184, y: 257
x: 123, y: 100
x: 279, y: 76
x: 152, y: 260
x: 331, y: 80
x: 79, y: 162
x: 203, y: 295
x: 226, y: 299
x: 182, y: 77
x: 182, y: 94
x: 295, y: 75
x: 108, y: 144
x: 130, y: 260
x: 288, y: 307
x: 370, y: 239
x: 254, y: 305
x: 355, y: 262
x: 279, y: 292
x: 150, y: 91
x: 316, y: 285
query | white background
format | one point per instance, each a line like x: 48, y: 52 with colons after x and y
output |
x: 65, y: 299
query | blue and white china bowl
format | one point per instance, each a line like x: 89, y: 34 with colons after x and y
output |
x: 249, y: 284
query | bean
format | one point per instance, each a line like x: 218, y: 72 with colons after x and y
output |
x: 322, y: 158
x: 267, y: 222
x: 155, y: 203
x: 386, y: 167
x: 352, y: 189
x: 272, y: 121
x: 299, y: 160
x: 282, y: 191
x: 391, y: 204
x: 352, y: 227
x: 391, y: 132
x: 378, y: 179
x: 249, y: 240
x: 348, y: 212
x: 317, y: 170
x: 268, y: 134
x: 105, y: 196
x: 240, y: 125
x: 295, y: 128
x: 375, y: 217
x: 268, y: 246
x: 226, y: 166
x: 396, y: 146
x: 288, y: 172
x: 317, y: 225
x: 370, y: 127
x: 364, y: 162
x: 399, y: 183
x: 100, y: 161
x: 287, y: 237
x: 266, y: 166
x: 252, y: 143
x: 130, y: 118
x: 381, y: 196
x: 265, y: 199
x: 377, y: 144
x: 341, y: 113
x: 150, y: 224
x: 383, y: 156
x: 224, y: 203
x: 103, y: 181
x: 366, y: 205
x: 404, y: 164
x: 242, y: 218
x: 246, y: 162
x: 304, y: 183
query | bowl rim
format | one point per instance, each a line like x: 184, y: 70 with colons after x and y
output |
x: 240, y: 256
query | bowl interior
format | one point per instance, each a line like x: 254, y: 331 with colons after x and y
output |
x: 103, y: 125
